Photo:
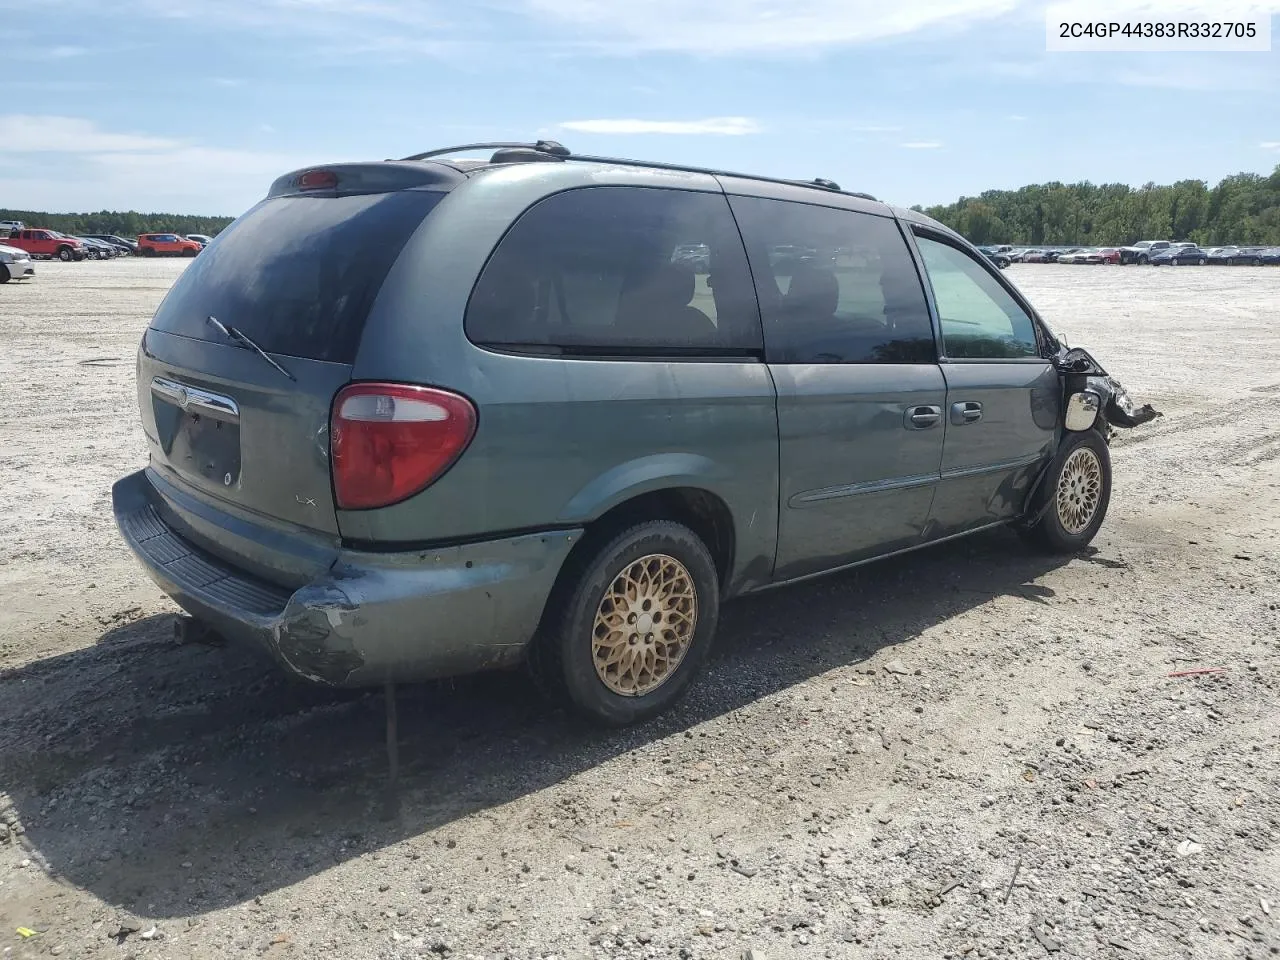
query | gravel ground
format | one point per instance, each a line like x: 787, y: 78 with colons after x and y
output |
x: 972, y: 752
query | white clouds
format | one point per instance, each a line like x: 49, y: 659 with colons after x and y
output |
x: 24, y: 133
x: 1016, y: 117
x: 710, y: 27
x: 921, y: 144
x: 746, y: 26
x: 711, y: 126
x: 99, y: 169
x: 1273, y: 145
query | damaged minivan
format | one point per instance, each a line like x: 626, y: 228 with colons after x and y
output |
x: 411, y: 419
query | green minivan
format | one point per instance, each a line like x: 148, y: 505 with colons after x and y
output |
x: 417, y: 418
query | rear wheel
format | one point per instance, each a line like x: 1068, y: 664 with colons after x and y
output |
x: 1072, y: 503
x: 1201, y: 262
x: 629, y: 625
x: 148, y: 252
x: 65, y: 254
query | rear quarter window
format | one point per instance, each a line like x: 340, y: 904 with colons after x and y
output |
x: 619, y: 271
x: 297, y: 274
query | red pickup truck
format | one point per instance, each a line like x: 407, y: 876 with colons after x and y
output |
x: 47, y: 243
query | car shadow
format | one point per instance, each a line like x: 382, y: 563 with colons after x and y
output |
x: 174, y: 779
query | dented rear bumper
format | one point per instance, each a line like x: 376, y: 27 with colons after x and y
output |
x: 373, y: 617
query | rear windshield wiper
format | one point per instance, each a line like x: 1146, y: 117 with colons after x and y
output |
x: 234, y: 335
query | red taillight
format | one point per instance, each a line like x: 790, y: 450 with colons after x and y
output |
x: 318, y: 180
x: 391, y: 440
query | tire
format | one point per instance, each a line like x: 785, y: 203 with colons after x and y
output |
x: 65, y: 254
x: 1072, y: 503
x: 1201, y: 262
x: 148, y: 252
x: 1257, y: 261
x: 565, y: 657
x: 188, y: 253
x: 1143, y: 260
x: 4, y: 273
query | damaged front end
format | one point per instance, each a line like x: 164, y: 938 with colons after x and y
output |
x: 1089, y: 392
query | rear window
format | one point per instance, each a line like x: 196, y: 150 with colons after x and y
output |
x: 297, y: 275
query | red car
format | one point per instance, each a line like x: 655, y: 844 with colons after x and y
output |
x: 1109, y: 255
x: 166, y: 245
x: 47, y: 243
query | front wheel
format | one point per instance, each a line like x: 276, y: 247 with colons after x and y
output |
x: 1201, y: 262
x: 4, y: 273
x: 630, y: 624
x: 1143, y: 261
x: 1072, y: 503
x: 65, y: 254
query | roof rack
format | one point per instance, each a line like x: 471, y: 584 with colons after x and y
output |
x: 549, y: 147
x: 557, y: 150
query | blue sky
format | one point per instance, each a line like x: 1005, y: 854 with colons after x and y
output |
x: 195, y: 107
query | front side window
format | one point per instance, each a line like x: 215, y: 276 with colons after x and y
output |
x: 608, y: 270
x: 835, y: 286
x: 980, y: 319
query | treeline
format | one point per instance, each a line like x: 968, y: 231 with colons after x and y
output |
x: 1243, y: 209
x: 128, y: 223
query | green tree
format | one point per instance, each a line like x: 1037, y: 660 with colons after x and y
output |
x: 1243, y: 208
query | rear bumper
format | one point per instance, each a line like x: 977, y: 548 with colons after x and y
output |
x: 373, y: 617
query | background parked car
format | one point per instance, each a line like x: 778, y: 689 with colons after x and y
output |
x: 166, y: 245
x: 15, y: 264
x: 120, y: 243
x: 1142, y: 251
x: 200, y: 238
x: 1221, y: 255
x: 47, y: 244
x: 1034, y: 256
x: 98, y: 249
x: 1270, y: 257
x: 1248, y: 257
x: 1179, y: 256
x: 1053, y: 256
x: 1001, y: 260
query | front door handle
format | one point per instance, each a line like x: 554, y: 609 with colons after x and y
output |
x: 922, y: 418
x: 966, y: 411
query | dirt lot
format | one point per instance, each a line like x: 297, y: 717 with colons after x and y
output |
x: 973, y: 752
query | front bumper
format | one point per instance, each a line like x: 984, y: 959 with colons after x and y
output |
x: 373, y: 617
x: 20, y: 268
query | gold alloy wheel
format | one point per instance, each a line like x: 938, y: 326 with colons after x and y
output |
x: 644, y: 625
x: 1079, y: 490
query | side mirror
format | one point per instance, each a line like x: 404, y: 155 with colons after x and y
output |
x: 1082, y: 410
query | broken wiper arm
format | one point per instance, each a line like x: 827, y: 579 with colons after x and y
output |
x: 231, y: 333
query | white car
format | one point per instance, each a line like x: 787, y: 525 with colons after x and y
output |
x: 15, y: 264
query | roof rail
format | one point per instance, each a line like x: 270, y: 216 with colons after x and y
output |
x: 542, y: 146
x: 558, y: 150
x: 817, y: 184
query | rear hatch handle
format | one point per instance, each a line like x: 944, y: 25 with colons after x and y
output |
x: 235, y: 336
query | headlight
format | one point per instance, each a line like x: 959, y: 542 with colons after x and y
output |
x: 7, y: 257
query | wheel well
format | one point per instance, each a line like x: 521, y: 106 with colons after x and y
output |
x: 700, y: 510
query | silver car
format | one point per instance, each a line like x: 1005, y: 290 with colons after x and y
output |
x: 15, y: 264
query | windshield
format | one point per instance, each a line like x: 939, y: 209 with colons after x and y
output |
x: 297, y: 274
